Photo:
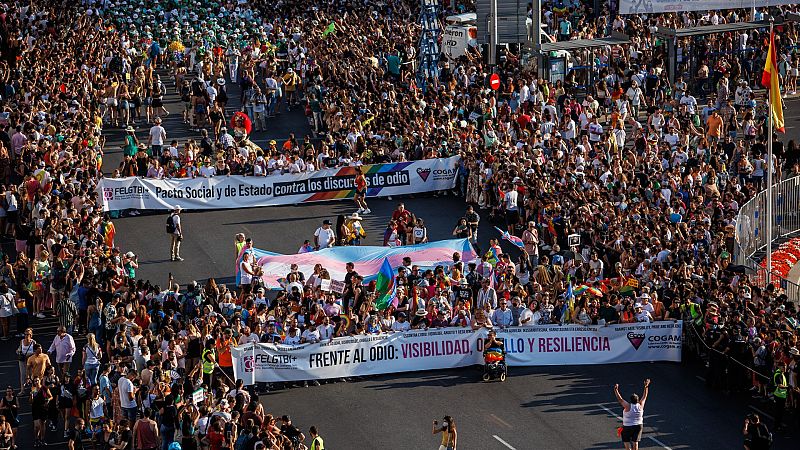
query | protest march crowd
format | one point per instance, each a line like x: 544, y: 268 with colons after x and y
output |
x: 649, y: 175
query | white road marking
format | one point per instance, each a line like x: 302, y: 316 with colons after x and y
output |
x: 501, y: 421
x: 503, y: 442
x: 700, y: 378
x: 657, y: 442
x: 610, y: 412
x: 763, y: 414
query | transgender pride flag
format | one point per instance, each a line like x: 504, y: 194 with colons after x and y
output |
x: 511, y: 238
x: 367, y: 259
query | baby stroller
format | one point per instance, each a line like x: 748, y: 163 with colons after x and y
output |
x: 494, y: 367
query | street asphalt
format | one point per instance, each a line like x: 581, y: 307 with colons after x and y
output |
x: 563, y: 407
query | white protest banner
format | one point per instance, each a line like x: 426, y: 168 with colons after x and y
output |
x: 660, y: 6
x: 457, y: 347
x: 248, y: 192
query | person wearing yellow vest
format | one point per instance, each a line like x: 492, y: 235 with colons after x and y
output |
x: 779, y: 394
x: 224, y: 357
x: 208, y: 359
x: 316, y: 439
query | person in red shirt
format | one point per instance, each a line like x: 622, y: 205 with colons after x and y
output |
x: 404, y: 220
x: 215, y: 437
x: 360, y: 197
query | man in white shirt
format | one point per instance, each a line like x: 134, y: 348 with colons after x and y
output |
x: 207, y: 171
x: 260, y: 299
x: 401, y: 324
x: 634, y: 95
x: 212, y: 91
x: 156, y: 137
x: 310, y: 335
x: 526, y: 317
x: 127, y: 395
x: 324, y: 237
x: 272, y: 86
x: 326, y: 330
x: 595, y: 130
x: 690, y: 103
x: 247, y: 337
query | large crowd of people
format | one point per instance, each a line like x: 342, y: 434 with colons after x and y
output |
x: 630, y: 185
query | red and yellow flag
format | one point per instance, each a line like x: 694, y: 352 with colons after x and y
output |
x: 769, y: 79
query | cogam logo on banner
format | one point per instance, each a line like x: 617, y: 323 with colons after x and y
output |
x: 424, y: 173
x: 249, y: 363
x: 636, y: 339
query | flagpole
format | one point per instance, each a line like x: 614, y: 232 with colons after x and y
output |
x: 769, y: 170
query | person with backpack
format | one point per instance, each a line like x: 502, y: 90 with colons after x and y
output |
x: 175, y: 232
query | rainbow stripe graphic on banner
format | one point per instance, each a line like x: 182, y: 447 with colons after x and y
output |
x: 367, y: 170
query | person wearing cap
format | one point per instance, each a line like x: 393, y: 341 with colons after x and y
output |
x: 325, y: 236
x: 642, y: 315
x: 355, y: 231
x: 402, y: 323
x: 175, y: 232
x: 131, y: 142
x: 130, y: 262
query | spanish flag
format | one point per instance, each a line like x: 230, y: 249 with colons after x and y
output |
x: 769, y: 79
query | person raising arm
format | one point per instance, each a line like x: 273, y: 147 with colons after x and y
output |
x: 632, y: 416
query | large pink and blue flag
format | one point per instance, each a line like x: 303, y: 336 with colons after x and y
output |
x: 366, y: 259
x: 511, y: 238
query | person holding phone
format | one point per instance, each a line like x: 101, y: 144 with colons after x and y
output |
x: 448, y: 431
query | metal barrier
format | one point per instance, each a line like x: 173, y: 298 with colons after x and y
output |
x: 751, y: 222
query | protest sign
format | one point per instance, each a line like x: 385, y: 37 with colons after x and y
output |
x: 337, y: 286
x: 325, y: 285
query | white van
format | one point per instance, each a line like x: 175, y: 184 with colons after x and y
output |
x: 460, y: 33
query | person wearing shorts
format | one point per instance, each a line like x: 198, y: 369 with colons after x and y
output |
x: 632, y: 417
x: 360, y: 197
